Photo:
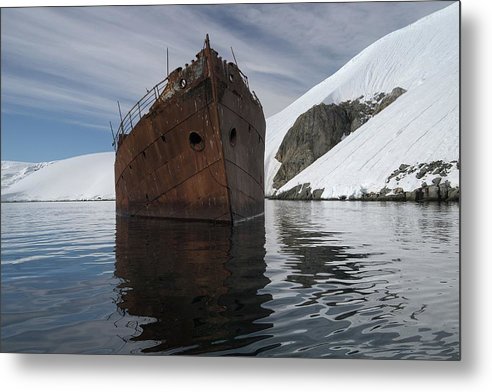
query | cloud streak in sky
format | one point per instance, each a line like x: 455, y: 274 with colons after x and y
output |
x: 76, y: 62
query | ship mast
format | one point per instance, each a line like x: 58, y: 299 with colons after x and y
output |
x: 208, y: 56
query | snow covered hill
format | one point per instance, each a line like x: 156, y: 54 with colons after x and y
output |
x: 86, y: 177
x: 13, y: 172
x: 402, y: 146
x: 421, y: 127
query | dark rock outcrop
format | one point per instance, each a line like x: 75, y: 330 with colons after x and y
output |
x: 436, y: 188
x: 300, y: 192
x: 441, y: 193
x: 322, y: 127
x: 389, y: 99
x: 438, y: 168
x: 313, y: 134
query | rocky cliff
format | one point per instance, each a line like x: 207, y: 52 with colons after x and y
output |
x: 419, y: 129
x: 322, y: 127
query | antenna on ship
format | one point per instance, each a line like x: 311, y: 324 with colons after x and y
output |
x: 233, y: 56
x: 167, y: 60
x: 112, y: 133
x: 119, y: 109
x: 245, y: 78
x: 207, y: 42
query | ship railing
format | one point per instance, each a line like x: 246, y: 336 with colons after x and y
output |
x: 138, y: 110
x: 246, y: 82
x: 244, y: 77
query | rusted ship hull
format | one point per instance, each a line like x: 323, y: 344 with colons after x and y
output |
x: 198, y: 152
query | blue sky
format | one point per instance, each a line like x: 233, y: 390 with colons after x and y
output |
x: 64, y: 68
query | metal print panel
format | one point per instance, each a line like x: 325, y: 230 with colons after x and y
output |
x: 271, y: 180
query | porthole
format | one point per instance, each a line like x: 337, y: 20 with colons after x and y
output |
x: 196, y: 141
x: 233, y: 136
x: 143, y: 153
x: 163, y: 138
x: 182, y: 83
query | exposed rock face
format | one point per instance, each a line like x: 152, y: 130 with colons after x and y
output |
x: 300, y: 192
x: 439, y: 188
x: 440, y: 168
x: 322, y: 127
x: 314, y: 132
x: 389, y: 99
x: 443, y: 192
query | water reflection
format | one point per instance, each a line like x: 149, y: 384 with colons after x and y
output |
x: 198, y: 282
x: 362, y: 281
x: 315, y: 279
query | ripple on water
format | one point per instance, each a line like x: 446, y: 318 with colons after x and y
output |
x: 314, y: 279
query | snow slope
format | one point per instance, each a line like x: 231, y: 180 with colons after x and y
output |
x: 420, y: 126
x: 13, y: 171
x: 86, y: 177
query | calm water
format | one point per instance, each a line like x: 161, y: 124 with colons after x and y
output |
x: 313, y: 279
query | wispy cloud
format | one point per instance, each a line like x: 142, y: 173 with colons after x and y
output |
x: 79, y: 61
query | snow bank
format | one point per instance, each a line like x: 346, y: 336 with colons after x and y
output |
x: 86, y: 177
x: 420, y: 126
x: 13, y: 171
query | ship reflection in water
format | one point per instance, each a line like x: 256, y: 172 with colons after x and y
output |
x: 313, y: 279
x: 310, y: 280
x: 197, y: 282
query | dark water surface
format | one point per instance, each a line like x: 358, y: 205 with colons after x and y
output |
x: 311, y: 279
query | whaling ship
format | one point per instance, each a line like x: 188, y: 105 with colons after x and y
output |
x: 193, y: 146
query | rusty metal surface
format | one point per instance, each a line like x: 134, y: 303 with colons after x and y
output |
x: 162, y: 169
